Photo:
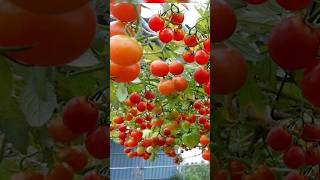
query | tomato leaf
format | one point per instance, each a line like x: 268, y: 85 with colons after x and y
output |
x: 37, y: 109
x: 13, y: 124
x: 6, y: 81
x: 122, y: 92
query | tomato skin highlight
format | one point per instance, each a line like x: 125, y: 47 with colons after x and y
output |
x: 98, y: 143
x: 223, y: 19
x: 294, y: 5
x: 293, y: 44
x: 80, y: 115
x: 54, y: 40
x: 229, y: 70
x: 124, y: 11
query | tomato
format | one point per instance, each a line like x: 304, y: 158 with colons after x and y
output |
x: 98, y: 143
x: 142, y: 106
x: 188, y: 56
x: 135, y: 98
x: 222, y: 175
x: 178, y: 34
x: 202, y: 119
x: 28, y: 175
x: 169, y: 141
x: 136, y: 134
x: 279, y: 139
x: 255, y: 1
x: 264, y: 172
x: 138, y: 120
x: 125, y: 50
x: 80, y: 115
x: 180, y: 83
x: 310, y: 86
x: 54, y: 40
x: 204, y: 140
x: 166, y: 87
x: 119, y: 28
x: 156, y: 22
x: 206, y: 45
x: 293, y: 44
x: 310, y: 132
x: 59, y: 131
x: 201, y: 57
x: 157, y: 122
x: 201, y: 75
x: 118, y: 119
x: 207, y: 88
x: 50, y: 7
x: 149, y: 95
x: 229, y: 70
x: 176, y: 67
x: 237, y: 168
x: 312, y: 156
x: 150, y: 106
x: 166, y: 35
x: 223, y: 19
x: 124, y: 11
x: 191, y: 40
x: 74, y: 157
x: 295, y: 176
x: 132, y: 142
x: 206, y: 155
x: 294, y: 157
x: 176, y: 18
x: 294, y: 5
x: 124, y: 73
x: 61, y: 171
x: 159, y: 68
x: 92, y: 175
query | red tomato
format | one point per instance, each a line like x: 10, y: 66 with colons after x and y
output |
x: 206, y: 155
x: 29, y: 175
x: 119, y: 28
x: 201, y: 57
x: 92, y: 175
x: 61, y: 171
x: 188, y: 56
x: 176, y: 18
x: 180, y: 83
x: 74, y: 157
x: 176, y: 67
x: 149, y: 94
x: 80, y: 115
x: 294, y: 5
x: 48, y: 6
x: 223, y: 19
x: 237, y: 168
x: 279, y: 139
x: 293, y: 44
x: 159, y: 68
x: 166, y: 35
x: 294, y: 157
x: 54, y: 40
x: 201, y: 75
x: 310, y: 86
x: 98, y: 143
x: 191, y: 40
x: 156, y: 23
x: 124, y: 73
x: 264, y: 172
x: 206, y: 45
x: 295, y: 176
x: 310, y: 132
x: 178, y: 34
x: 124, y: 11
x: 229, y: 70
x: 207, y: 88
x: 59, y: 131
x: 135, y: 98
x: 312, y: 156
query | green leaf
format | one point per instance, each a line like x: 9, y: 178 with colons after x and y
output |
x: 38, y: 109
x: 6, y: 81
x: 14, y: 125
x: 122, y: 92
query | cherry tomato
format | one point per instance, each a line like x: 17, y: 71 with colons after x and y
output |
x: 176, y: 18
x: 294, y: 157
x: 310, y: 132
x: 92, y: 175
x: 206, y: 155
x: 124, y: 73
x: 166, y: 87
x: 201, y: 57
x: 206, y: 45
x: 166, y: 35
x: 180, y: 83
x: 279, y: 139
x: 191, y: 40
x: 310, y: 85
x: 159, y: 68
x: 125, y: 11
x: 178, y: 34
x: 135, y: 97
x: 59, y: 131
x: 188, y: 56
x: 29, y: 175
x: 176, y: 67
x: 54, y: 40
x: 98, y: 143
x: 201, y: 75
x: 156, y: 23
x: 119, y: 28
x: 295, y: 176
x: 74, y: 157
x: 61, y: 171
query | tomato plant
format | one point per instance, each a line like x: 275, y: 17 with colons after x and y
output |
x: 154, y: 111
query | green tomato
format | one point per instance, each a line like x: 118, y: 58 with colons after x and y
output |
x: 185, y: 125
x: 140, y: 150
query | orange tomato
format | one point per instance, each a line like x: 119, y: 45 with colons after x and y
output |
x: 166, y: 87
x: 180, y: 83
x: 119, y: 28
x: 124, y: 11
x: 124, y: 73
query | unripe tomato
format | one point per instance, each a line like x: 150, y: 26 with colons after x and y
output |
x: 166, y: 35
x: 310, y: 86
x: 166, y: 87
x: 125, y: 11
x: 293, y: 44
x: 80, y: 115
x: 125, y: 50
x: 176, y: 67
x: 178, y: 34
x: 223, y: 19
x: 201, y: 75
x: 255, y: 1
x: 61, y: 171
x: 294, y: 5
x: 54, y: 40
x: 156, y: 23
x: 121, y: 73
x: 180, y: 83
x: 76, y: 158
x: 188, y: 56
x: 159, y: 68
x: 294, y: 157
x: 176, y: 18
x: 59, y: 131
x: 279, y: 139
x: 191, y: 40
x: 28, y: 175
x: 98, y: 143
x: 119, y: 28
x: 229, y: 70
x: 201, y: 57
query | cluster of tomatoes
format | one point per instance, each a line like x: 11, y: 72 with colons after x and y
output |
x: 133, y: 126
x: 61, y: 39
